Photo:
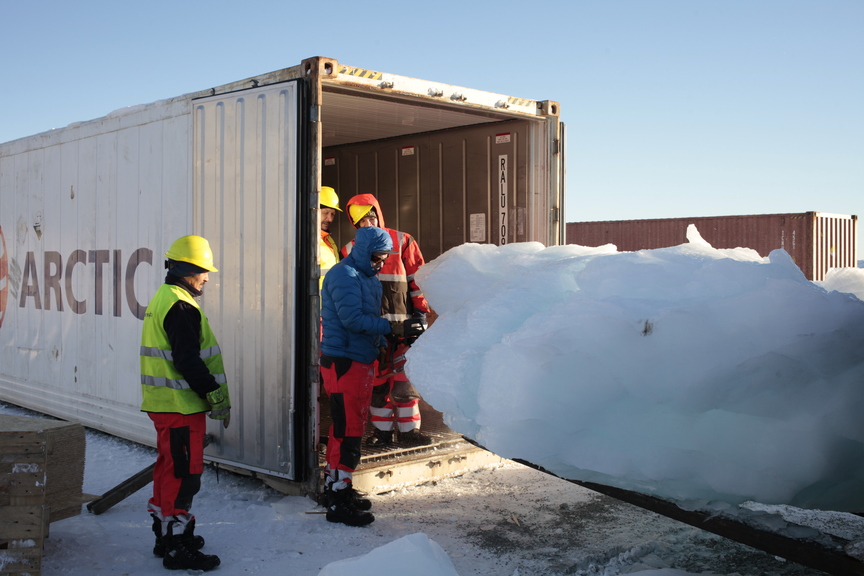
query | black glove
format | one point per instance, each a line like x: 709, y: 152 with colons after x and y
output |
x: 408, y: 329
x: 414, y: 327
x: 422, y: 317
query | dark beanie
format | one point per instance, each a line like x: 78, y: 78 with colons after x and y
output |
x: 182, y: 269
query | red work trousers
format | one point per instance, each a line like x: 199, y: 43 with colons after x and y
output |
x: 395, y: 399
x: 179, y: 461
x: 349, y: 385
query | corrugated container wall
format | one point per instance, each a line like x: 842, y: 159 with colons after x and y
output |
x: 816, y: 241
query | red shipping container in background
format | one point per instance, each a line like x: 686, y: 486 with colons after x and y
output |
x: 816, y: 241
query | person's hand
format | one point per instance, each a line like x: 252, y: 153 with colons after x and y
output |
x: 422, y: 317
x: 220, y: 406
x: 408, y: 329
x: 382, y: 354
x: 414, y: 327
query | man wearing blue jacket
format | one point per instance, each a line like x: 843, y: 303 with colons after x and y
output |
x: 353, y: 333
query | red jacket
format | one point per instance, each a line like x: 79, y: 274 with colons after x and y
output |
x: 402, y: 297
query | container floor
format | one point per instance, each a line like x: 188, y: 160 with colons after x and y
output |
x: 432, y: 424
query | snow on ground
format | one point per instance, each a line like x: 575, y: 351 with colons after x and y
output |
x: 510, y: 521
x: 687, y: 373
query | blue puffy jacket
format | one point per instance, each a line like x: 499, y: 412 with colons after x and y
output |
x: 351, y: 301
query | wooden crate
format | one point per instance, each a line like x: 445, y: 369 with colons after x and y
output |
x: 41, y: 477
x: 64, y: 450
x: 23, y: 464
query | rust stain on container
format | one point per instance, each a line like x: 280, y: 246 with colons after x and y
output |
x: 817, y: 241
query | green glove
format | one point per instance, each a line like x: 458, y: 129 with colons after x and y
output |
x: 220, y: 405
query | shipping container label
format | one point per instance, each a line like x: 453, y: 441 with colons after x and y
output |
x: 502, y: 138
x: 330, y: 161
x: 502, y: 199
x: 47, y: 281
x: 407, y: 150
x: 477, y: 227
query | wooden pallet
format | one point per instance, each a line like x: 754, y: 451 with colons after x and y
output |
x: 23, y: 465
x: 41, y: 476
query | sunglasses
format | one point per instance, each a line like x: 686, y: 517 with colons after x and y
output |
x: 379, y: 259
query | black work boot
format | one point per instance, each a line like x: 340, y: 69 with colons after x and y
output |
x: 181, y: 554
x: 355, y: 498
x: 159, y: 546
x: 380, y: 438
x: 342, y: 509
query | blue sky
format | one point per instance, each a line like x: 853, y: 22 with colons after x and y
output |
x: 673, y: 107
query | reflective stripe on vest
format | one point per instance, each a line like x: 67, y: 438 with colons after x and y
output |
x: 163, y: 388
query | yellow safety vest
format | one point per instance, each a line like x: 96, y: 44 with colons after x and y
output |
x: 163, y: 388
x: 328, y: 256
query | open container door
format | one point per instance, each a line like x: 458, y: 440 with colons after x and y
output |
x: 448, y: 165
x: 247, y: 171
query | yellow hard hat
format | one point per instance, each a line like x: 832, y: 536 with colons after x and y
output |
x: 358, y: 211
x: 192, y: 249
x: 329, y: 198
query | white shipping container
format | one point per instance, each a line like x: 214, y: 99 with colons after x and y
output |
x: 88, y: 211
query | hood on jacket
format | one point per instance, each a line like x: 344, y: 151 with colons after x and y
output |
x: 366, y: 241
x: 367, y: 200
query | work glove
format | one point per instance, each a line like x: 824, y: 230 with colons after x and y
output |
x: 382, y: 354
x: 414, y: 327
x: 397, y: 329
x: 408, y: 329
x: 422, y: 317
x: 220, y: 406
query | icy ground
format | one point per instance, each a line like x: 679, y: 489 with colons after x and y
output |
x: 511, y: 521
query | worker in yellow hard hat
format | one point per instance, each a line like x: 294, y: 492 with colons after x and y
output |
x: 182, y: 381
x: 328, y: 252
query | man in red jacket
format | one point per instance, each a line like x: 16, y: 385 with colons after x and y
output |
x: 394, y: 398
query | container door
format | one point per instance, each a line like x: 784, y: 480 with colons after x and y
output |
x: 246, y: 176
